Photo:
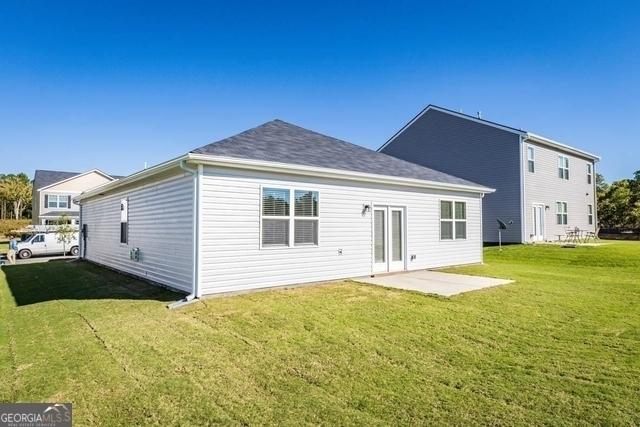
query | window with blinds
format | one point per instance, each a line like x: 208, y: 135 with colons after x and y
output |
x: 306, y: 218
x: 283, y: 226
x: 275, y: 217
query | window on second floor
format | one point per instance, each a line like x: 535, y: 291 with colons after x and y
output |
x: 589, y: 173
x: 531, y: 159
x: 57, y: 201
x: 563, y: 167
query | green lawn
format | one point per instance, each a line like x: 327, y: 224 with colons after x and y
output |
x: 559, y: 346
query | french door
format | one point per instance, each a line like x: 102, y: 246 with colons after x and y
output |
x: 388, y: 239
x: 538, y: 223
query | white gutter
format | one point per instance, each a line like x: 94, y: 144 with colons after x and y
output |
x: 96, y: 191
x: 552, y: 143
x: 238, y: 163
x: 195, y: 288
x: 523, y: 198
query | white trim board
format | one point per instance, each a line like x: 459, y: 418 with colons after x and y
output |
x: 78, y: 176
x: 250, y: 164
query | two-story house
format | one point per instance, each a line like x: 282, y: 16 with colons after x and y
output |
x: 53, y: 192
x: 543, y: 187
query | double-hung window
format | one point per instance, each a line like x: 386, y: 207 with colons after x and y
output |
x: 306, y: 218
x: 283, y: 226
x: 531, y: 159
x: 561, y: 213
x: 124, y: 221
x: 57, y: 201
x: 590, y: 214
x: 563, y: 167
x: 453, y: 220
x: 589, y: 173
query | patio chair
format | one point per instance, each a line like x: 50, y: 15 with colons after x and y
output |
x: 572, y: 235
x: 592, y: 235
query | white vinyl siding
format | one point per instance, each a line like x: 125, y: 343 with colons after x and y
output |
x: 232, y: 258
x: 544, y: 188
x: 159, y: 223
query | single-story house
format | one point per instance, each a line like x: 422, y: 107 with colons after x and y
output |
x: 280, y: 205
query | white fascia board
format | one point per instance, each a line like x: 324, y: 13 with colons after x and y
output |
x: 452, y: 113
x: 77, y: 176
x: 145, y: 173
x: 233, y: 162
x: 552, y: 143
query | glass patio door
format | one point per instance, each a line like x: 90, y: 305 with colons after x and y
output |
x: 388, y: 239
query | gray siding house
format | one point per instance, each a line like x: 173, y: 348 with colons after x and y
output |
x: 543, y: 186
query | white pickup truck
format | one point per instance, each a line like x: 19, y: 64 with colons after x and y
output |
x: 46, y: 244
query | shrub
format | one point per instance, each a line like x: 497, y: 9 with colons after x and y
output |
x: 8, y: 225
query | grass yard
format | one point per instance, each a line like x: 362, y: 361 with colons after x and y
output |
x: 559, y: 346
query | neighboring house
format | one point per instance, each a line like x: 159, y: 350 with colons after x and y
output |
x: 53, y: 192
x: 543, y: 186
x: 280, y: 205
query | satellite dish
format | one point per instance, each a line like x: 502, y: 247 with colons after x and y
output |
x: 502, y: 226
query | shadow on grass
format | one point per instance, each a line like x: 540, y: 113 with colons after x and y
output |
x: 61, y: 279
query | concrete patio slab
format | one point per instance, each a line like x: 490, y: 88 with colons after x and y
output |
x: 433, y: 282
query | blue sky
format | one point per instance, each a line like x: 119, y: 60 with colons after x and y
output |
x: 113, y: 85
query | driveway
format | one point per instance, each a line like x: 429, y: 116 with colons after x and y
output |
x: 433, y: 282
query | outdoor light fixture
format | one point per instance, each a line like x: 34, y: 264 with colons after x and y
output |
x: 366, y: 208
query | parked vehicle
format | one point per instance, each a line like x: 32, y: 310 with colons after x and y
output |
x: 46, y: 244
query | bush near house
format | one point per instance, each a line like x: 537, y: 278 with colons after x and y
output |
x: 8, y: 225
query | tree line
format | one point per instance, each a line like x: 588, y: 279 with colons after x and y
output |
x: 15, y: 196
x: 619, y: 203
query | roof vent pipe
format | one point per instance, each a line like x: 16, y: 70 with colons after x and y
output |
x: 479, y: 113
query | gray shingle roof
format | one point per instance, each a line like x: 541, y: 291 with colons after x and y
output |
x: 58, y: 214
x: 44, y: 178
x: 279, y: 141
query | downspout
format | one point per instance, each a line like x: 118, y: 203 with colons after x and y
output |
x: 481, y: 229
x: 195, y: 291
x: 523, y: 199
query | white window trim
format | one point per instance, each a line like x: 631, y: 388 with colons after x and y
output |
x: 291, y: 217
x: 566, y: 211
x: 531, y: 149
x: 452, y: 220
x: 563, y: 167
x: 589, y: 173
x: 590, y: 214
x: 65, y: 197
x: 120, y: 242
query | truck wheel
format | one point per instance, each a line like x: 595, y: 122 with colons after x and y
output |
x: 74, y: 251
x: 24, y: 254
